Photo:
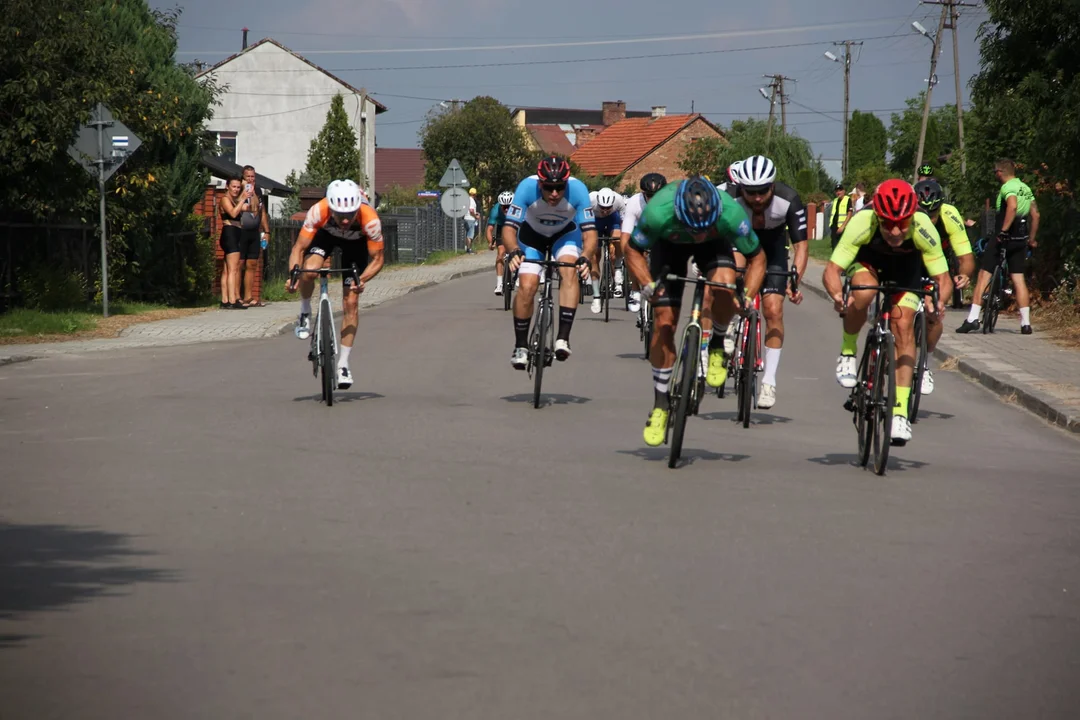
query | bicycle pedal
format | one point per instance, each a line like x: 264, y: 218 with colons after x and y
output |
x: 311, y: 357
x: 849, y: 405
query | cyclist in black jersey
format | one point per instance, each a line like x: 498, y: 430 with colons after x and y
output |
x: 778, y: 216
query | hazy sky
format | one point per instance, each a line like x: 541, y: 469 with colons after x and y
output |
x: 367, y: 42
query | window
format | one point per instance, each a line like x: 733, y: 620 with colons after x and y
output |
x: 226, y: 140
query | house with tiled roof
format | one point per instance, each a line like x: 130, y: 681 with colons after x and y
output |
x: 560, y: 131
x: 636, y: 146
x: 403, y: 167
x: 275, y: 101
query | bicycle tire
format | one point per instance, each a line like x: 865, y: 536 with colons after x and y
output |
x: 647, y: 328
x: 691, y: 352
x: 991, y: 301
x: 326, y: 353
x: 537, y: 346
x: 606, y: 284
x: 884, y: 400
x: 746, y: 391
x: 863, y: 425
x: 999, y: 298
x: 920, y: 369
x: 508, y: 285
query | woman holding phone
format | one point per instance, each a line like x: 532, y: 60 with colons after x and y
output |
x: 231, y: 208
x: 255, y: 227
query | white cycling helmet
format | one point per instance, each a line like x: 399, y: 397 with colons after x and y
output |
x: 344, y: 196
x: 757, y: 170
x: 606, y: 198
x: 506, y: 197
x: 734, y: 172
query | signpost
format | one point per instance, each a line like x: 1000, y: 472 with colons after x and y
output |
x: 89, y: 150
x: 455, y: 201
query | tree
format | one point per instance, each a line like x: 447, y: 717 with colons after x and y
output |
x: 942, y: 135
x: 712, y: 156
x: 482, y: 136
x: 867, y: 141
x: 332, y: 155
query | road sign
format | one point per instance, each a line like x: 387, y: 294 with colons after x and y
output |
x: 428, y: 194
x: 113, y: 144
x: 455, y: 203
x: 454, y: 176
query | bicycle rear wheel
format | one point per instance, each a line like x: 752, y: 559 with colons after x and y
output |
x: 861, y: 406
x: 992, y: 302
x: 326, y: 353
x: 884, y: 398
x: 682, y: 397
x: 920, y: 366
x: 537, y: 348
x: 606, y: 284
x: 646, y: 326
x: 746, y: 370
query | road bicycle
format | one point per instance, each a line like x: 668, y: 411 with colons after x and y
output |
x: 542, y: 335
x: 874, y: 395
x: 607, y: 275
x: 922, y: 351
x: 324, y: 338
x: 509, y: 277
x: 748, y: 360
x: 685, y: 390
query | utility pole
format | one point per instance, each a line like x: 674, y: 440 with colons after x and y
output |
x: 950, y: 7
x: 930, y: 82
x: 771, y: 97
x: 776, y: 88
x: 848, y: 44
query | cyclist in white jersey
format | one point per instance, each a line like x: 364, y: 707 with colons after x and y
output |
x: 650, y: 183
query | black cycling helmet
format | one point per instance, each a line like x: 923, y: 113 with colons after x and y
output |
x: 697, y: 203
x: 926, y: 170
x: 651, y: 183
x: 553, y: 170
x: 930, y: 195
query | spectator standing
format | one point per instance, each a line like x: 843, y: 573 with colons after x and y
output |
x: 860, y: 196
x: 840, y: 214
x: 230, y: 209
x: 471, y: 221
x: 255, y: 234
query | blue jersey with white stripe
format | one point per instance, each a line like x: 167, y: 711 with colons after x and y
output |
x: 573, y: 211
x: 606, y: 226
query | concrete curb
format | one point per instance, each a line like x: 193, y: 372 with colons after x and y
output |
x: 1026, y: 396
x: 12, y: 359
x: 423, y: 286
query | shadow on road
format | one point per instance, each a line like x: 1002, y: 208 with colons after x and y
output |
x: 924, y: 414
x: 547, y: 400
x: 341, y: 397
x: 45, y: 567
x: 755, y: 418
x: 688, y: 456
x: 895, y: 463
x: 631, y: 356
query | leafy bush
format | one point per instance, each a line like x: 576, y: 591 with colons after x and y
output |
x: 51, y: 288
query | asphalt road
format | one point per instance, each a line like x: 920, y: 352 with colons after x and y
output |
x: 188, y: 533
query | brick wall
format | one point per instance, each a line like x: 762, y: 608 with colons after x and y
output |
x: 665, y: 158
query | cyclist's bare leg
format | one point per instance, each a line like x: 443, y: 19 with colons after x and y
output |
x: 722, y: 305
x: 773, y: 309
x: 307, y: 280
x: 523, y: 301
x: 903, y: 329
x: 934, y: 328
x: 569, y: 289
x: 1020, y: 288
x: 662, y: 352
x: 500, y: 256
x: 855, y: 317
x: 980, y: 286
x: 351, y: 304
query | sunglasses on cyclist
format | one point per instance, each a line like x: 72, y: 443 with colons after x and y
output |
x: 344, y: 218
x: 890, y: 225
x: 757, y: 191
x: 553, y: 187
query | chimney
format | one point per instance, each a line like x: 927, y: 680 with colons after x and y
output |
x: 659, y: 111
x: 245, y: 39
x: 613, y: 112
x: 583, y: 135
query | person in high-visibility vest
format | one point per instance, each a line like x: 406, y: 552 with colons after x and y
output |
x: 840, y: 214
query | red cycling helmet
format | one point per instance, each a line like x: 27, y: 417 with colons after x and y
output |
x: 553, y: 170
x: 895, y: 200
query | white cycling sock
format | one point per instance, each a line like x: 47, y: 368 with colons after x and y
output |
x: 662, y: 378
x: 772, y: 363
x: 343, y: 356
x: 1025, y: 316
x: 973, y: 315
x: 305, y: 306
x: 596, y: 288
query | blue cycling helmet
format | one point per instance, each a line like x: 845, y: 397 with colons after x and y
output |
x: 697, y: 203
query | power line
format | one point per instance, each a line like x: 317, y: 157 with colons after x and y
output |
x: 546, y: 62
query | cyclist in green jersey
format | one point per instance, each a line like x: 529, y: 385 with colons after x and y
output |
x: 1018, y: 223
x: 689, y: 219
x: 496, y: 220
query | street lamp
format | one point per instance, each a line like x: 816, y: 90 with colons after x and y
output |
x: 922, y: 31
x: 931, y: 81
x: 831, y: 56
x: 763, y: 93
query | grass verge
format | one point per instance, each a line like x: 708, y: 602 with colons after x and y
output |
x: 24, y: 325
x: 820, y: 249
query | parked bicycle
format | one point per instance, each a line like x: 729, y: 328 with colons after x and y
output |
x: 324, y: 339
x: 874, y: 395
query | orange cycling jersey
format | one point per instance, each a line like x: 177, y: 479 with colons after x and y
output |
x: 366, y: 225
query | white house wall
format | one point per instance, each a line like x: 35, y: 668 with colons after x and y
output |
x: 276, y: 103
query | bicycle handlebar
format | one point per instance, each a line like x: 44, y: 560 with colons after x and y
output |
x: 295, y: 273
x: 891, y: 287
x: 550, y: 263
x: 793, y: 273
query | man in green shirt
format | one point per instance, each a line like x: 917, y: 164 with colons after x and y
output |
x: 684, y: 220
x: 1018, y: 224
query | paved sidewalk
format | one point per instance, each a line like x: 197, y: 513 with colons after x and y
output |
x: 219, y: 325
x: 1034, y: 372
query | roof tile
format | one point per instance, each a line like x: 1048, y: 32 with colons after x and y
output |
x: 627, y: 141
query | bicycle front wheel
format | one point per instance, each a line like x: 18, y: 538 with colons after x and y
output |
x: 326, y: 353
x: 884, y: 398
x: 539, y: 348
x: 682, y: 399
x: 861, y: 397
x: 992, y: 302
x: 920, y: 366
x: 606, y: 285
x: 508, y: 285
x: 746, y: 370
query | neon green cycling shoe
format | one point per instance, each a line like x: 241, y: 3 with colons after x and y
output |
x: 717, y: 374
x: 656, y: 427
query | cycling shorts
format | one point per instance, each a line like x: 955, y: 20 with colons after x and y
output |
x: 565, y: 247
x: 352, y: 251
x: 707, y: 256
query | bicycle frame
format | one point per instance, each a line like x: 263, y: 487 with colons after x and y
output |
x: 541, y: 335
x: 324, y: 350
